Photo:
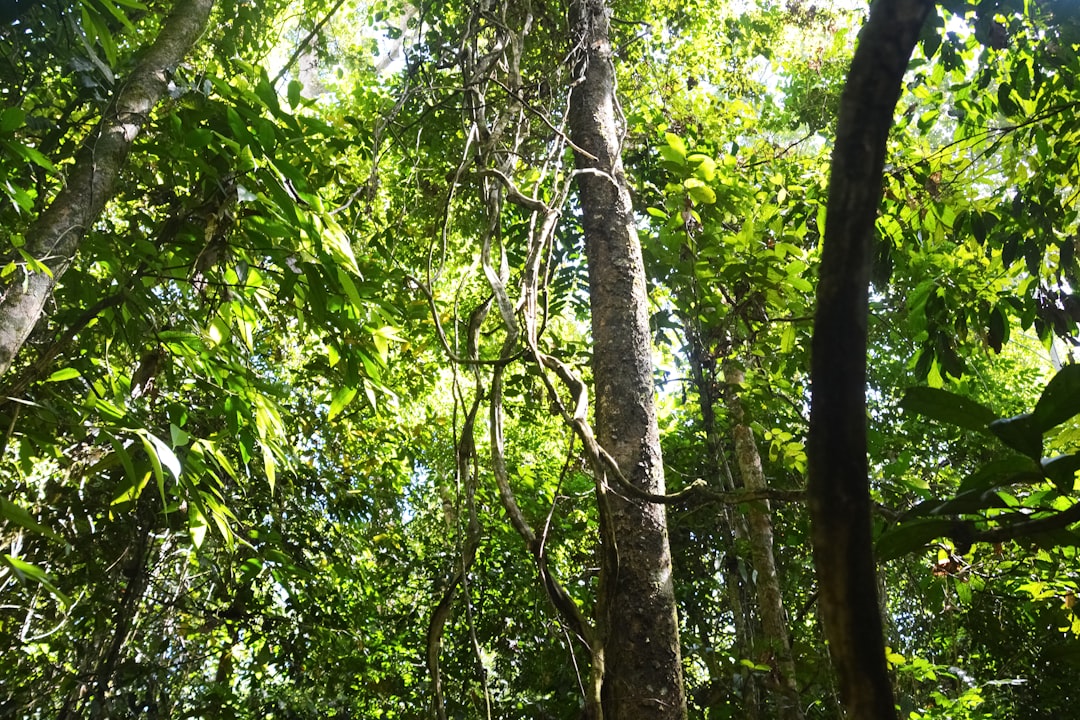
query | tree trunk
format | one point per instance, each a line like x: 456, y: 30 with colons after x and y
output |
x: 774, y: 626
x: 838, y: 489
x: 636, y: 614
x: 54, y: 237
x: 733, y: 526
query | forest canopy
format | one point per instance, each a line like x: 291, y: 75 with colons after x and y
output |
x: 539, y: 359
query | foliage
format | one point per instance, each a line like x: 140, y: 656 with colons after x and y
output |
x: 241, y: 467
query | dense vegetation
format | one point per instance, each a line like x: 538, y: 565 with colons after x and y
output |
x: 313, y: 401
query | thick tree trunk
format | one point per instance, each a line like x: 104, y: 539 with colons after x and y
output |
x: 838, y: 490
x: 54, y: 237
x: 776, y: 637
x: 643, y: 668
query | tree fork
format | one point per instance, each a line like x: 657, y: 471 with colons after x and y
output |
x: 838, y: 489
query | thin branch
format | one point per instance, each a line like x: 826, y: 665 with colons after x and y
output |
x: 303, y: 46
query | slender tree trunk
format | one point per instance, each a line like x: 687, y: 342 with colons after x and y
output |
x: 54, y: 237
x: 838, y: 489
x: 636, y: 615
x: 774, y: 626
x: 703, y: 369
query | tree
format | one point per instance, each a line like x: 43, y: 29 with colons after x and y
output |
x: 53, y: 239
x: 307, y: 429
x: 642, y: 672
x: 838, y: 487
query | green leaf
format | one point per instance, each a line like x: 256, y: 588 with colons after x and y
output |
x: 1062, y: 471
x: 930, y: 41
x: 1005, y: 102
x: 911, y: 535
x: 155, y: 465
x: 676, y: 143
x: 167, y: 456
x: 28, y: 153
x: 133, y: 492
x: 1004, y: 471
x: 21, y: 516
x: 703, y: 194
x: 704, y: 166
x: 125, y: 458
x: 11, y: 119
x: 269, y: 466
x: 998, y: 329
x: 973, y: 501
x: 33, y: 264
x: 787, y: 339
x: 179, y: 437
x: 197, y: 525
x: 1021, y: 433
x: 295, y: 86
x: 341, y: 400
x: 117, y: 13
x: 1060, y: 400
x: 657, y: 213
x: 947, y: 407
x: 672, y: 155
x: 350, y: 288
x: 27, y: 571
x: 68, y: 373
x: 1021, y: 77
x: 699, y: 191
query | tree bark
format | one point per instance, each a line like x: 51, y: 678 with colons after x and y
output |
x: 838, y: 489
x: 733, y: 525
x: 774, y: 626
x: 54, y: 237
x: 636, y: 614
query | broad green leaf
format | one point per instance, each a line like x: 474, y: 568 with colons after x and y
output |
x: 382, y: 337
x: 68, y: 373
x: 910, y: 536
x: 947, y: 407
x: 972, y: 501
x: 295, y: 87
x: 1005, y: 101
x: 155, y: 465
x: 1021, y: 433
x: 133, y: 492
x: 179, y: 437
x: 1005, y: 471
x: 21, y: 516
x: 704, y: 166
x: 337, y: 242
x: 787, y: 339
x: 341, y: 400
x: 1021, y: 78
x: 28, y: 571
x: 33, y: 264
x: 1062, y: 471
x: 676, y: 143
x: 117, y: 13
x: 1060, y: 400
x: 197, y: 525
x: 11, y: 119
x: 349, y: 287
x: 700, y: 192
